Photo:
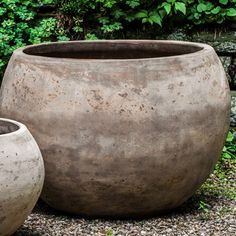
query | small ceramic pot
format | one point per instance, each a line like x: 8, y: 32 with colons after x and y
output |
x: 21, y: 175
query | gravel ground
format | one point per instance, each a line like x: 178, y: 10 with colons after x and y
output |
x: 219, y: 221
x: 187, y: 220
x: 206, y: 213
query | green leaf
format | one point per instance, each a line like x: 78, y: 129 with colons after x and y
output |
x: 150, y: 21
x: 231, y: 12
x: 226, y: 155
x: 180, y: 6
x: 167, y: 8
x: 118, y: 14
x: 162, y: 13
x: 129, y: 18
x: 142, y: 14
x: 63, y: 38
x: 201, y: 7
x: 144, y: 20
x: 230, y: 137
x: 223, y: 1
x: 77, y: 29
x: 133, y: 3
x: 216, y: 10
x: 196, y: 15
x: 90, y: 37
x: 2, y: 63
x: 232, y: 149
x: 209, y: 6
x: 2, y: 11
x: 156, y: 19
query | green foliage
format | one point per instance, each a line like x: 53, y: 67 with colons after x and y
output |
x: 220, y: 184
x: 43, y: 32
x: 14, y: 24
x: 110, y: 16
x: 205, y: 12
x: 109, y: 232
x: 21, y: 23
x: 90, y: 37
x: 229, y: 150
x: 222, y: 181
x: 204, y: 206
x: 19, y: 26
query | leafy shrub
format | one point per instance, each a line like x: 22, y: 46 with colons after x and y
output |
x: 217, y: 11
x: 20, y: 23
x: 15, y: 18
x: 19, y: 26
x: 106, y: 17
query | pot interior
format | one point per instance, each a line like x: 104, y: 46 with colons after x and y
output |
x: 7, y: 127
x: 112, y: 49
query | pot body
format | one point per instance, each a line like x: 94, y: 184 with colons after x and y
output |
x: 21, y: 176
x: 121, y: 137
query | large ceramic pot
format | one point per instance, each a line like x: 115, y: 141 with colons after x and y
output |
x: 125, y: 127
x: 21, y: 175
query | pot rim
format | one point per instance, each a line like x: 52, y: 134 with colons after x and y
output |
x: 204, y: 49
x: 21, y: 128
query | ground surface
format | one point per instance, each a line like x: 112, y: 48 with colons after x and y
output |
x: 211, y: 211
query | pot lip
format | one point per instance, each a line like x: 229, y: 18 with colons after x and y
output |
x: 21, y: 128
x: 205, y: 49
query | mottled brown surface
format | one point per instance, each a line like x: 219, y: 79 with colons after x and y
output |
x: 120, y: 137
x: 21, y: 175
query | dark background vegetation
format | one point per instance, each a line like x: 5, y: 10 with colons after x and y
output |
x: 24, y: 22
